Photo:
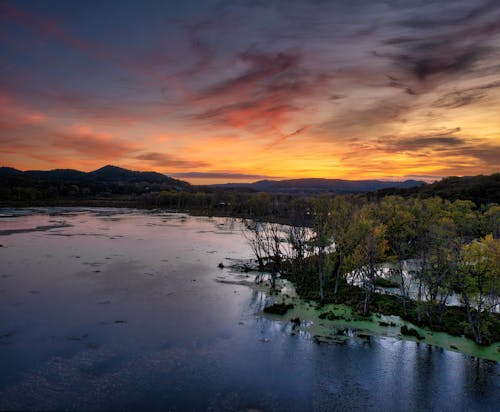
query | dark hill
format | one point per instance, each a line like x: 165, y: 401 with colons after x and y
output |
x: 480, y: 189
x: 117, y: 174
x: 312, y: 186
x: 106, y: 174
x: 57, y: 175
x: 109, y: 182
x: 9, y: 172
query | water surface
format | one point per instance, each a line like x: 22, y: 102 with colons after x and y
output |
x: 121, y: 309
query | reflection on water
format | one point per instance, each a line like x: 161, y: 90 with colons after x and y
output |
x: 121, y: 309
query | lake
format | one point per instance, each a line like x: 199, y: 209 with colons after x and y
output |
x: 122, y: 309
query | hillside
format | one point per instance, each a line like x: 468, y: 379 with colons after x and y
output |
x: 480, y: 189
x: 315, y: 186
x: 106, y: 182
x: 109, y: 174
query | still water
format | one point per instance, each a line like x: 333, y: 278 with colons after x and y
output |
x: 121, y: 309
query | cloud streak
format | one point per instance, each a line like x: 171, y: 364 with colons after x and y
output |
x: 165, y: 160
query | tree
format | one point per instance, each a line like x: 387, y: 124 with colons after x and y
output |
x: 322, y: 236
x: 341, y: 216
x: 441, y: 267
x: 298, y: 238
x: 369, y: 250
x: 255, y: 236
x: 265, y: 240
x: 427, y: 214
x: 492, y: 216
x: 396, y: 215
x: 479, y: 282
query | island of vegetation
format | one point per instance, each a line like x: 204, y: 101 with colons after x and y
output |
x: 432, y: 263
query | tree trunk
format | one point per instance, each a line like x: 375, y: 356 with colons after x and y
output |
x: 273, y: 280
x: 368, y: 289
x: 337, y: 276
x: 419, y: 301
x: 470, y: 319
x: 367, y: 301
x: 320, y: 273
x: 403, y: 286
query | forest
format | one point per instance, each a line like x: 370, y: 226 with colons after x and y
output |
x: 424, y: 251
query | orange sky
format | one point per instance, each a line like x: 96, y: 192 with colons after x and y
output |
x: 242, y: 92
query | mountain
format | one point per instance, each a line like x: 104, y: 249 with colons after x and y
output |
x: 9, y: 172
x: 106, y: 174
x: 311, y: 186
x: 104, y: 180
x: 117, y: 174
x: 480, y: 189
x: 59, y: 175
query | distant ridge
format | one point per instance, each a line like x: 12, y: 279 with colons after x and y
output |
x: 481, y: 189
x: 106, y: 174
x: 111, y: 173
x: 317, y: 185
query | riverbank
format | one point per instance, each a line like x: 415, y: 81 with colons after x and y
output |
x: 139, y: 204
x: 336, y: 323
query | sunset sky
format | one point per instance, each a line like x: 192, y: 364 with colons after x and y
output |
x: 218, y: 91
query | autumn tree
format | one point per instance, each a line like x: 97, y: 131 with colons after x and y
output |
x: 341, y: 217
x: 369, y: 251
x: 479, y: 283
x: 395, y: 213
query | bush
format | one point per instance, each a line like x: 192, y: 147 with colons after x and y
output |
x: 405, y: 330
x: 278, y: 308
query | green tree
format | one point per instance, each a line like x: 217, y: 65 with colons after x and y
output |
x: 322, y: 229
x: 479, y: 283
x: 492, y: 217
x: 369, y: 251
x: 400, y: 223
x: 341, y: 217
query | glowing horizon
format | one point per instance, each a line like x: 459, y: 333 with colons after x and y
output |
x: 243, y: 91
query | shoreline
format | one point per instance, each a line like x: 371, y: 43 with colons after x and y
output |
x: 347, y: 325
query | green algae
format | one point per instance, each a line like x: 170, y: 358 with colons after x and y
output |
x: 325, y: 329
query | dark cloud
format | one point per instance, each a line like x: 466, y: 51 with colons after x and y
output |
x: 449, y: 145
x: 458, y: 99
x: 423, y: 58
x: 442, y: 141
x: 167, y: 160
x: 267, y: 68
x: 465, y: 97
x: 287, y: 136
x: 453, y: 17
x: 264, y: 93
x: 487, y: 154
x: 441, y: 43
x: 351, y: 123
x: 439, y: 59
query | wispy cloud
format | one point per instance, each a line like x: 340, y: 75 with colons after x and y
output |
x: 165, y: 160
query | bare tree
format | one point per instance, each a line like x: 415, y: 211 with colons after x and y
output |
x: 265, y: 240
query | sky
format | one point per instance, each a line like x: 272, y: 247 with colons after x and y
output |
x: 226, y: 91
